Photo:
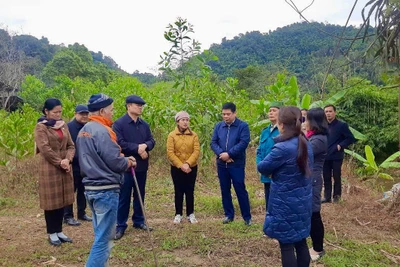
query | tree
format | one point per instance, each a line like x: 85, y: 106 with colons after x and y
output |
x: 183, y: 48
x: 82, y: 52
x: 32, y: 47
x: 387, y: 20
x: 65, y: 62
x: 11, y: 69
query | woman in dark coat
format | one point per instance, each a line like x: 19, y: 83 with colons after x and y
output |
x: 316, y: 126
x: 56, y: 150
x: 288, y: 216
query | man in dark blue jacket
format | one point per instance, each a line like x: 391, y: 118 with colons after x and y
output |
x: 339, y: 138
x: 74, y: 126
x: 229, y: 142
x: 135, y: 138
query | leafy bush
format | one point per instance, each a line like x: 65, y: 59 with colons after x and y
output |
x: 16, y: 135
x: 372, y: 111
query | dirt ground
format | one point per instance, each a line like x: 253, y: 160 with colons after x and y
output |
x: 23, y: 239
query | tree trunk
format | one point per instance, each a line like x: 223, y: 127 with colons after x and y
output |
x: 398, y: 112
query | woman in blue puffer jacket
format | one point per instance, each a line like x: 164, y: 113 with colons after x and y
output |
x: 289, y: 212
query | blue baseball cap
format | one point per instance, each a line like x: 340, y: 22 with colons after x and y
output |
x: 81, y: 109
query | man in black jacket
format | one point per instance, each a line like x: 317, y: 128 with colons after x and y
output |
x: 135, y: 139
x: 74, y: 126
x: 339, y: 138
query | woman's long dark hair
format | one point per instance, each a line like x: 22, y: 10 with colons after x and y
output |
x: 290, y: 118
x: 50, y: 103
x: 317, y: 121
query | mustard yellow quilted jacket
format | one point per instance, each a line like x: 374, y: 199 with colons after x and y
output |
x: 183, y: 148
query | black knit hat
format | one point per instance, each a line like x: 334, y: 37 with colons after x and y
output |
x: 99, y: 101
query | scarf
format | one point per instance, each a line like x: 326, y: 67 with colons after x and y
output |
x: 54, y: 124
x: 310, y: 133
x: 106, y: 123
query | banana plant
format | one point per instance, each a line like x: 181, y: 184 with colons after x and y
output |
x: 370, y: 165
x: 330, y: 101
x: 289, y: 94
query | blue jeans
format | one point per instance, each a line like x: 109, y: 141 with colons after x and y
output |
x: 125, y: 200
x: 235, y: 176
x: 104, y: 205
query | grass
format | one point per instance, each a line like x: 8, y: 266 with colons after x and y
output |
x: 7, y: 202
x: 208, y: 243
x: 356, y: 253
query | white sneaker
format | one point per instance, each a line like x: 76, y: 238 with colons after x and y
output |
x: 192, y: 219
x: 178, y: 218
x: 316, y: 255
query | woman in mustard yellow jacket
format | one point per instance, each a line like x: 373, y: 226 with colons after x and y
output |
x: 183, y: 150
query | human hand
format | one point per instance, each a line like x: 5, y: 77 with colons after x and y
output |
x: 229, y: 160
x: 224, y: 156
x: 144, y: 155
x: 64, y: 164
x: 339, y: 147
x: 186, y: 168
x: 142, y: 148
x: 131, y: 162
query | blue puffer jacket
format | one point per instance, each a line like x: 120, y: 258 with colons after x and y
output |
x: 289, y: 208
x: 266, y: 144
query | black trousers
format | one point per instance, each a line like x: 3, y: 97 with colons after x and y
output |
x: 184, y: 186
x: 317, y: 232
x: 80, y: 198
x: 335, y: 167
x: 267, y: 189
x: 54, y: 220
x: 302, y: 257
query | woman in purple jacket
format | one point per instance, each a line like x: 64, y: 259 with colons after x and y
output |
x: 289, y: 163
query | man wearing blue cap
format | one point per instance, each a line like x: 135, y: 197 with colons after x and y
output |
x: 102, y: 166
x: 74, y: 126
x: 135, y: 138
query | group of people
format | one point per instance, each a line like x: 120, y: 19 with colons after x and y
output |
x: 105, y: 162
x: 295, y: 150
x: 92, y: 155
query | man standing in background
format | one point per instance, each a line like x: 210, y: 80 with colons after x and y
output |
x: 135, y: 138
x: 339, y: 138
x: 74, y: 126
x: 229, y: 142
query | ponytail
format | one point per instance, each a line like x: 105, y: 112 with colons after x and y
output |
x: 290, y: 117
x: 302, y: 155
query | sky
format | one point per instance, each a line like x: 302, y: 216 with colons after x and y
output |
x: 131, y: 32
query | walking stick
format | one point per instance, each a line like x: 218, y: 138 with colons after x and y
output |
x: 144, y: 215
